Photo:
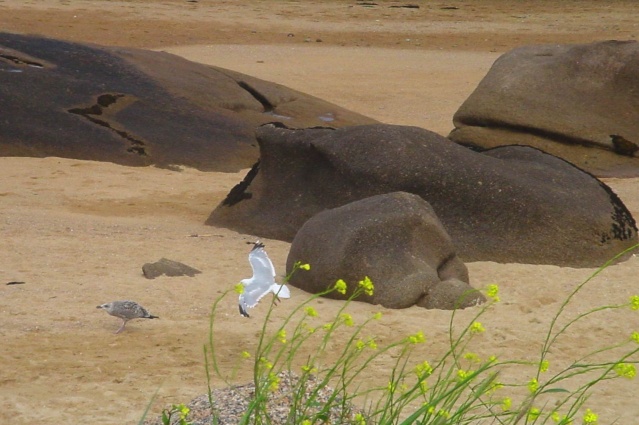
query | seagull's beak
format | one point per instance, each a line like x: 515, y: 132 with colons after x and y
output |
x: 99, y: 306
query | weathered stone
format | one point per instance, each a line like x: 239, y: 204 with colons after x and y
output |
x: 169, y: 268
x: 396, y: 240
x: 509, y: 204
x: 137, y: 107
x: 577, y: 102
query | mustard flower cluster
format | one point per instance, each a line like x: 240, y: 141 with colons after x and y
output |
x: 626, y: 370
x: 273, y: 381
x: 417, y: 338
x: 556, y: 417
x: 347, y: 318
x: 310, y: 311
x: 423, y: 370
x: 359, y: 419
x: 533, y: 414
x: 281, y: 336
x: 544, y: 365
x: 492, y: 291
x: 476, y: 328
x: 533, y: 385
x: 309, y: 369
x: 340, y: 286
x: 367, y: 286
x: 360, y: 345
x: 590, y: 418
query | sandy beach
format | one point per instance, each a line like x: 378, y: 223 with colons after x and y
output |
x: 77, y: 232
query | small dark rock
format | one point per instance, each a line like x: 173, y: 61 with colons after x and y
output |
x: 169, y: 268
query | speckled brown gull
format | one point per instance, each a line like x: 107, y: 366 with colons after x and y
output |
x: 126, y: 310
x: 262, y: 282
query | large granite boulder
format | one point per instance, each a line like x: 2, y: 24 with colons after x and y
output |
x: 138, y: 107
x: 509, y: 204
x: 578, y: 102
x: 396, y: 240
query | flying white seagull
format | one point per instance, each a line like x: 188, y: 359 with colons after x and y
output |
x: 126, y: 310
x: 262, y: 282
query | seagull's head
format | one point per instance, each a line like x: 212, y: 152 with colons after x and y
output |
x: 106, y: 306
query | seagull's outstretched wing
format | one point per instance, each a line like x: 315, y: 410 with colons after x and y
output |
x: 263, y: 270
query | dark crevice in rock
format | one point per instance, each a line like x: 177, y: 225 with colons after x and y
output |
x: 104, y: 101
x: 238, y: 193
x: 522, y: 129
x: 268, y: 107
x: 21, y: 61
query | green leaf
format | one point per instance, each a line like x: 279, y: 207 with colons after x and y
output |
x: 555, y: 390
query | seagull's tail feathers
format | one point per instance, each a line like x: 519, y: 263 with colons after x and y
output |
x: 281, y: 291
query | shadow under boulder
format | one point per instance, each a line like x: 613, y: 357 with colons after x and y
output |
x: 396, y: 240
x: 138, y: 107
x: 575, y: 101
x: 510, y: 204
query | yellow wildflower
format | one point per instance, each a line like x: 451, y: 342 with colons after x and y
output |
x: 359, y: 345
x: 476, y: 328
x: 462, y: 374
x: 472, y: 357
x: 443, y: 413
x: 533, y: 385
x: 377, y: 316
x: 273, y: 382
x: 626, y: 370
x: 309, y: 369
x: 635, y: 337
x: 281, y: 336
x: 267, y: 364
x: 359, y: 419
x: 367, y: 286
x: 310, y: 311
x: 327, y: 326
x: 372, y: 344
x: 340, y: 286
x: 492, y: 291
x: 246, y: 355
x: 305, y: 266
x: 634, y: 302
x: 506, y: 404
x: 590, y: 417
x: 533, y: 414
x: 347, y: 318
x: 417, y: 338
x: 544, y: 365
x: 239, y: 288
x: 423, y: 370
